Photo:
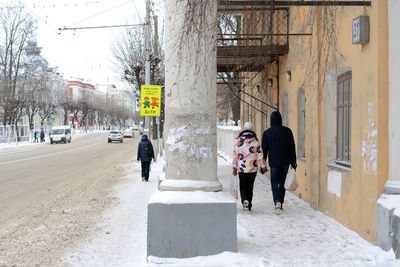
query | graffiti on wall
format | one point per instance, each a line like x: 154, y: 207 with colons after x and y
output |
x: 369, y: 149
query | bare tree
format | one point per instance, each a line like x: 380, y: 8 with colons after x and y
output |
x: 46, y: 96
x: 32, y: 82
x: 17, y: 26
x: 65, y: 102
x: 30, y: 85
x: 129, y: 54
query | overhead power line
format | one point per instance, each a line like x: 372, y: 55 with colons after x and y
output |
x: 137, y: 12
x: 39, y: 4
x: 99, y: 27
x: 100, y: 13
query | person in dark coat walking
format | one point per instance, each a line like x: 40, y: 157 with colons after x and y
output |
x: 278, y: 145
x: 41, y: 136
x: 145, y: 154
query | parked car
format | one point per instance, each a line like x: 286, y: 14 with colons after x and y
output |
x: 115, y: 136
x: 129, y: 133
x: 60, y: 134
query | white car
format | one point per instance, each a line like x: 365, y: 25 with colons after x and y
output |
x: 128, y: 133
x: 115, y: 136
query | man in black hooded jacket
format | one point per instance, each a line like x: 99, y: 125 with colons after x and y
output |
x: 278, y: 145
x: 145, y: 154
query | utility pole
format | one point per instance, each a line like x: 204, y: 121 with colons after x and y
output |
x: 155, y: 52
x: 147, y: 59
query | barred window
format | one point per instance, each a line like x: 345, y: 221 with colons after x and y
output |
x: 263, y: 117
x: 247, y: 113
x: 344, y: 94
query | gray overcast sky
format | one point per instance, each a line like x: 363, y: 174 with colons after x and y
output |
x: 83, y: 53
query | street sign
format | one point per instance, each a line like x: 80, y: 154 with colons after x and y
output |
x: 361, y: 30
x: 150, y: 100
x: 52, y: 120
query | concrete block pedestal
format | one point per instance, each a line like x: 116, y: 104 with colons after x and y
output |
x: 190, y: 224
x: 387, y: 234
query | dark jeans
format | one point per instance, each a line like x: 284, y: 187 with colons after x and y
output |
x: 146, y: 169
x: 278, y: 176
x: 246, y: 184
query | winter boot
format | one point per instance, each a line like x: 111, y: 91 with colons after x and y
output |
x: 246, y: 205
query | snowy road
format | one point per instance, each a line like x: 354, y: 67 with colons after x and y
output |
x: 51, y: 195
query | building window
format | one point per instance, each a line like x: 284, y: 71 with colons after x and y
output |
x: 247, y: 113
x: 248, y: 28
x: 271, y: 101
x: 263, y: 117
x: 301, y: 123
x: 343, y: 113
x: 254, y: 117
x: 285, y: 110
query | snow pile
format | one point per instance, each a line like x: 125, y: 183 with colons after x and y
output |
x: 390, y: 202
x: 168, y: 197
x: 189, y: 183
x: 234, y: 128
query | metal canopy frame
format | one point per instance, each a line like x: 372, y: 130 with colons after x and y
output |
x: 292, y: 3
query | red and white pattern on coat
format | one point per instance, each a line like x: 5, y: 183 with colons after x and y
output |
x: 247, y: 154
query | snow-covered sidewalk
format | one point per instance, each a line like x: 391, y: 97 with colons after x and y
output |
x: 300, y: 236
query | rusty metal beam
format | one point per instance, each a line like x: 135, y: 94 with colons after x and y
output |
x: 264, y: 34
x: 274, y: 3
x: 251, y: 51
x: 243, y: 9
x: 243, y: 60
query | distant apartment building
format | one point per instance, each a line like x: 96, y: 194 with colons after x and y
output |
x: 81, y: 92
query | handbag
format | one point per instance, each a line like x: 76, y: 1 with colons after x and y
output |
x: 291, y: 182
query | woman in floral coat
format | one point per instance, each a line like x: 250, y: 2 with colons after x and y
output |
x: 247, y: 157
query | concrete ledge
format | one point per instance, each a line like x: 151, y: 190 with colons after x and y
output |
x: 190, y: 224
x: 189, y: 185
x: 392, y: 187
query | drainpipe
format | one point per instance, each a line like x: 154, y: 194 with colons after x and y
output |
x: 277, y: 82
x: 319, y: 86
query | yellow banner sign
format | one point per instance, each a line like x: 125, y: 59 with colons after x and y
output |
x: 150, y: 100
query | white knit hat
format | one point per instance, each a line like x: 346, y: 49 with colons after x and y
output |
x: 248, y: 126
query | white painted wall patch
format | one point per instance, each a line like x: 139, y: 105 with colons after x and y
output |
x: 335, y: 182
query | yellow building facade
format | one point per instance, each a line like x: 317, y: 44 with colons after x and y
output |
x: 333, y: 94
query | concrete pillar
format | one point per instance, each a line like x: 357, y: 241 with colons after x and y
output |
x: 190, y: 91
x: 190, y: 224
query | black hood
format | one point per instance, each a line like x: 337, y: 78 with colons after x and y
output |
x: 144, y: 138
x: 276, y: 119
